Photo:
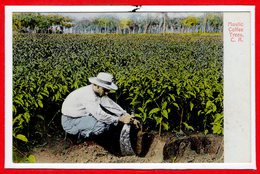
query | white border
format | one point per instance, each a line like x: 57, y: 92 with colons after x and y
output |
x: 253, y: 97
x: 8, y: 85
x: 132, y: 166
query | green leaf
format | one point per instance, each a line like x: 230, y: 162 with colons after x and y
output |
x: 18, y: 119
x: 165, y: 113
x: 208, y: 104
x: 31, y: 159
x: 14, y: 109
x: 40, y: 96
x: 191, y: 106
x: 138, y: 115
x: 208, y: 112
x: 178, y: 91
x: 164, y: 105
x: 217, y: 129
x: 176, y: 105
x: 150, y: 93
x: 133, y: 103
x: 172, y: 97
x: 19, y: 101
x: 191, y: 93
x: 141, y: 109
x: 214, y: 107
x: 22, y: 138
x: 206, y: 131
x: 166, y: 126
x: 188, y: 126
x: 40, y: 103
x: 36, y: 104
x: 158, y: 120
x: 45, y: 92
x: 218, y: 117
x: 154, y: 110
x: 144, y: 116
x: 197, y: 89
x: 186, y: 96
x: 26, y: 117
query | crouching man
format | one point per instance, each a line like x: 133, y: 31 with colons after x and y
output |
x: 88, y: 111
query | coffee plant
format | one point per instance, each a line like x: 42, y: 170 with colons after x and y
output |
x: 173, y: 82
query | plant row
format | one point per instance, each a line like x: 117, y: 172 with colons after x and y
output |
x: 171, y: 82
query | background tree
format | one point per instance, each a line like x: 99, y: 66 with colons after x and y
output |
x: 125, y: 24
x: 102, y: 24
x: 175, y: 24
x: 189, y: 23
x: 135, y: 23
x: 25, y: 22
x: 212, y: 22
x: 36, y: 22
x: 215, y: 22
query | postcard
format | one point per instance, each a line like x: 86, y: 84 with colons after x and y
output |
x: 130, y: 87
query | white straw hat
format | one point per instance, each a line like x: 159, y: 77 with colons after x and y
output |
x: 104, y: 80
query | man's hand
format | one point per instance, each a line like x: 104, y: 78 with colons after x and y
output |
x: 137, y: 123
x: 129, y: 119
x: 126, y: 118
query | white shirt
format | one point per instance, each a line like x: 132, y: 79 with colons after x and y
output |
x: 83, y: 101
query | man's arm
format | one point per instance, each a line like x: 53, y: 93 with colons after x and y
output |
x: 111, y: 106
x: 96, y: 110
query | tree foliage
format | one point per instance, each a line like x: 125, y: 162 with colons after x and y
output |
x: 215, y: 22
x: 161, y: 23
x: 189, y: 23
x: 39, y: 23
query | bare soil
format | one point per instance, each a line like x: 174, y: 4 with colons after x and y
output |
x: 60, y: 150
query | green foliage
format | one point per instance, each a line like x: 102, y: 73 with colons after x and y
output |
x: 190, y: 21
x: 161, y: 23
x: 29, y: 22
x: 20, y: 157
x: 22, y: 138
x: 171, y: 82
x: 215, y: 21
x: 125, y: 23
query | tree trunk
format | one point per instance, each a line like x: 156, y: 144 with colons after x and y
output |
x: 146, y: 27
x: 164, y: 23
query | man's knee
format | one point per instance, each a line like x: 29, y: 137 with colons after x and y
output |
x: 67, y: 125
x: 77, y: 125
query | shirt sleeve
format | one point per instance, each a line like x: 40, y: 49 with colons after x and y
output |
x: 105, y: 117
x: 111, y: 106
x: 95, y: 109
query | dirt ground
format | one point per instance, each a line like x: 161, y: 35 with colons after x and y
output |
x: 60, y: 150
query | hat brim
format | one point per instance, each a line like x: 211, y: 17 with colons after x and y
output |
x: 94, y: 80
